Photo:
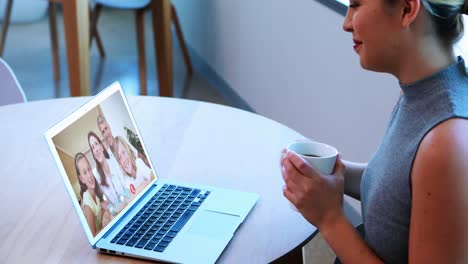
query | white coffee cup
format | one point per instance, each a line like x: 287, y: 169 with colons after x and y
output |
x: 319, y: 155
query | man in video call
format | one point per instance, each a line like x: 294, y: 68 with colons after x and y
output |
x: 106, y: 132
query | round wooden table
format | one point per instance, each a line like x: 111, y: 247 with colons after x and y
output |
x: 186, y: 140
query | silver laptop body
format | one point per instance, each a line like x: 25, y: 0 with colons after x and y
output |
x: 190, y: 228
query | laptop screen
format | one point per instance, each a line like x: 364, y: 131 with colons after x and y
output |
x: 103, y: 162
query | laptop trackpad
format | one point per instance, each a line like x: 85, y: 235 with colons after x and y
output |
x: 214, y: 224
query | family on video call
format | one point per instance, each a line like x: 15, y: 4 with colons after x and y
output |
x: 122, y: 173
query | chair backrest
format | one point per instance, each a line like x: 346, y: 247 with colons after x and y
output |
x: 10, y: 90
x: 127, y: 4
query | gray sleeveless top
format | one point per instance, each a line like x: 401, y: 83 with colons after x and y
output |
x: 386, y: 183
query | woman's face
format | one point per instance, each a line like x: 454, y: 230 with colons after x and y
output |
x: 86, y: 174
x: 124, y: 159
x: 97, y: 148
x: 375, y: 28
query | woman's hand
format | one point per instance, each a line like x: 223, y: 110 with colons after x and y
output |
x: 105, y: 205
x: 318, y: 197
x: 106, y: 218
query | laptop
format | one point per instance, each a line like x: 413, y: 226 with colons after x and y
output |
x: 124, y: 207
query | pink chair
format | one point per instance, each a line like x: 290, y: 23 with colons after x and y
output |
x: 10, y: 90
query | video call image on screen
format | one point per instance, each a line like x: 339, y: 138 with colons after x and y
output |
x: 104, y: 160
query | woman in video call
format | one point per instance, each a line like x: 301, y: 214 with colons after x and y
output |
x: 110, y: 175
x: 91, y: 195
x: 413, y: 190
x: 137, y: 174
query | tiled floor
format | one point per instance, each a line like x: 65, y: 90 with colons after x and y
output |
x: 28, y: 53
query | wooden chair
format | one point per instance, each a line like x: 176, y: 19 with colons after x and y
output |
x: 94, y: 33
x: 53, y: 33
x: 5, y: 24
x: 140, y: 7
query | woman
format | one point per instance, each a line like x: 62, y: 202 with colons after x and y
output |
x: 110, y: 175
x: 91, y: 195
x: 137, y: 174
x: 413, y: 203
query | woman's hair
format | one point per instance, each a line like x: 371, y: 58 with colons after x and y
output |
x: 98, y: 165
x: 447, y: 18
x: 83, y: 187
x: 121, y: 140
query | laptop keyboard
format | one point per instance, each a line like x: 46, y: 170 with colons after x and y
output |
x: 162, y: 217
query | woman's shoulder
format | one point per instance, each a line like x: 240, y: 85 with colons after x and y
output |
x: 87, y: 200
x: 142, y: 170
x: 141, y: 165
x: 438, y: 179
x: 448, y: 131
x: 86, y: 195
x: 444, y: 148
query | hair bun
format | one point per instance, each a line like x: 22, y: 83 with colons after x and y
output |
x: 464, y: 9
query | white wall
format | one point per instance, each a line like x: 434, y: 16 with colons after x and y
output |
x: 74, y: 138
x: 292, y: 62
x: 116, y: 115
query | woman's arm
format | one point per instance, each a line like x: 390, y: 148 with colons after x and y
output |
x: 353, y: 175
x: 90, y: 218
x: 347, y: 244
x: 106, y: 215
x: 439, y: 213
x: 319, y: 198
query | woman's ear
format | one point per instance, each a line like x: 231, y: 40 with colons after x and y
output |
x: 410, y: 11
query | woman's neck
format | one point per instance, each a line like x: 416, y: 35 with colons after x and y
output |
x: 424, y: 60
